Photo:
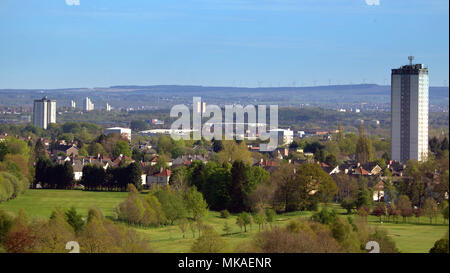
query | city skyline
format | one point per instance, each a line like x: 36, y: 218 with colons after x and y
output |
x: 243, y: 43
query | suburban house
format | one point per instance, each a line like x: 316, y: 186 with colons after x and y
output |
x: 372, y: 168
x: 329, y: 169
x: 378, y: 192
x: 160, y: 177
x: 69, y: 150
x: 360, y: 169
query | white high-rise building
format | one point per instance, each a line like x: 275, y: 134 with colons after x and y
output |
x: 200, y: 107
x: 44, y: 112
x: 72, y: 104
x: 409, y: 112
x: 88, y: 105
x: 108, y: 107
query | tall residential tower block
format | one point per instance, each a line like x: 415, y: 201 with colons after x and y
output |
x: 409, y: 112
x: 44, y: 112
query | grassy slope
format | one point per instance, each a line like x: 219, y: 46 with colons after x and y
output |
x: 410, y: 237
x: 41, y: 203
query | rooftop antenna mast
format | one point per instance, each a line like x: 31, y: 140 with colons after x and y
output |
x: 410, y: 58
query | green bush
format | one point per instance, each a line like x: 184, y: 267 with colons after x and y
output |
x: 224, y: 214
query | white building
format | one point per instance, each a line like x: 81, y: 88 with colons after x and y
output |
x: 285, y: 136
x: 180, y: 132
x: 44, y: 112
x: 409, y: 112
x: 87, y: 104
x: 300, y: 134
x: 108, y: 107
x: 200, y: 107
x: 72, y: 104
x: 119, y: 130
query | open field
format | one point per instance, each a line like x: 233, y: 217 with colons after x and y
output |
x: 41, y: 203
x: 410, y: 237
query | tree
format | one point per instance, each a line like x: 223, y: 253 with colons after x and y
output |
x: 67, y: 178
x: 95, y: 213
x: 209, y: 242
x: 232, y: 152
x: 320, y: 183
x: 240, y: 222
x: 95, y: 149
x: 40, y: 152
x: 138, y: 125
x: 379, y: 210
x: 440, y: 246
x: 405, y: 206
x: 245, y: 219
x: 134, y: 172
x: 227, y: 228
x: 444, y: 210
x: 183, y: 225
x: 260, y: 196
x: 172, y: 205
x: 195, y: 204
x: 3, y: 150
x: 418, y: 213
x: 161, y: 162
x: 260, y: 220
x: 363, y: 147
x: 217, y: 145
x: 430, y: 209
x: 122, y: 148
x: 348, y: 204
x: 270, y: 216
x: 331, y: 160
x: 224, y: 214
x: 6, y: 221
x: 16, y: 146
x: 239, y: 178
x: 364, y: 198
x: 74, y: 219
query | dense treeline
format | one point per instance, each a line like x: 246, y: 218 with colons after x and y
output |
x: 54, y: 176
x: 113, y: 178
x: 162, y: 206
x: 96, y: 234
x: 223, y: 185
x: 61, y: 176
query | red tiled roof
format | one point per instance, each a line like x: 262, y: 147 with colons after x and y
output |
x: 362, y: 171
x: 164, y: 172
x: 154, y: 159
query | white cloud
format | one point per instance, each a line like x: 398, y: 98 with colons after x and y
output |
x: 73, y: 2
x: 373, y: 2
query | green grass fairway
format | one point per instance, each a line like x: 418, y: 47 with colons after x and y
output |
x: 415, y: 238
x: 41, y: 203
x: 409, y: 237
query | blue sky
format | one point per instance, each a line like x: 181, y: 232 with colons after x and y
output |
x: 57, y: 43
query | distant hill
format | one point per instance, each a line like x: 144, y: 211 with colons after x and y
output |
x: 164, y: 96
